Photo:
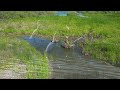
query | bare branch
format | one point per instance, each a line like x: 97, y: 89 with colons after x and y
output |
x: 35, y: 29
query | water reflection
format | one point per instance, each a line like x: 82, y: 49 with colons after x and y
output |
x: 70, y: 64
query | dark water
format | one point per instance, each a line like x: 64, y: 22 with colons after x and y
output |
x: 70, y: 64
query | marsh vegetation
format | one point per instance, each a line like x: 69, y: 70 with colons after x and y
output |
x: 101, y: 31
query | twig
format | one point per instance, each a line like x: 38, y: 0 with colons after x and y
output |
x: 35, y: 30
x: 54, y: 37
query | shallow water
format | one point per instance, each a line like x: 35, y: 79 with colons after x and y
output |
x: 62, y: 13
x: 70, y: 64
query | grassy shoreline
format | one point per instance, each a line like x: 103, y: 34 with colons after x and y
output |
x: 105, y: 34
x: 15, y: 53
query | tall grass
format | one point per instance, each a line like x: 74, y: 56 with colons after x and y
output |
x: 105, y: 27
x: 19, y: 52
x: 23, y: 14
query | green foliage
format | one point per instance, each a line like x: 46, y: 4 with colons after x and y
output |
x: 23, y: 14
x: 105, y: 28
x: 19, y: 52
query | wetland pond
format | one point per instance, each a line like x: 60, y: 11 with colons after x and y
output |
x: 71, y: 64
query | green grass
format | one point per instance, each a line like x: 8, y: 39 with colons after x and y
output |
x: 105, y: 50
x: 14, y: 52
x: 104, y: 46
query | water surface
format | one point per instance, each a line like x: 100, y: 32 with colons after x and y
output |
x: 70, y: 64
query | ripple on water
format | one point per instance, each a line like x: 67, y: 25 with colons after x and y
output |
x: 70, y: 64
